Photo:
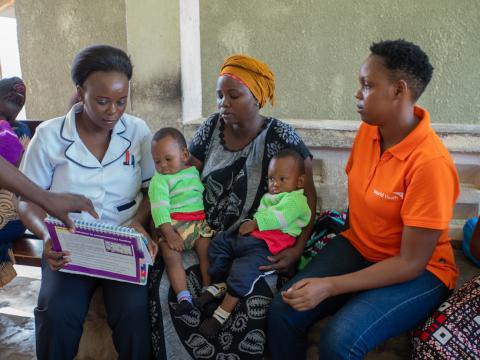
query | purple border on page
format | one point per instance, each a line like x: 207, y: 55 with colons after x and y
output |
x: 122, y: 239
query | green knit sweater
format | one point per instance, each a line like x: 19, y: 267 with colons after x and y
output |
x: 172, y: 193
x: 287, y: 212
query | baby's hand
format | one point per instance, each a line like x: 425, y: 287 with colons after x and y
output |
x: 247, y: 227
x: 175, y: 242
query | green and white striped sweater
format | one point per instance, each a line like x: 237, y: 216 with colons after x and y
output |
x: 172, y: 193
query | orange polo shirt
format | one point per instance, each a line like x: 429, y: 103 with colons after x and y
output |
x: 413, y: 183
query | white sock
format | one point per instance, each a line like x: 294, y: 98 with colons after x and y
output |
x: 221, y: 315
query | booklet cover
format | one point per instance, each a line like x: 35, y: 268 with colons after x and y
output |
x: 102, y: 250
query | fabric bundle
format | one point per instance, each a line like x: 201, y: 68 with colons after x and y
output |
x: 10, y: 146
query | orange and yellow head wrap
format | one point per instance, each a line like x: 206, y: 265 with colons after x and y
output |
x: 254, y: 74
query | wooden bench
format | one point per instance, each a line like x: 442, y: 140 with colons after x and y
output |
x: 28, y: 250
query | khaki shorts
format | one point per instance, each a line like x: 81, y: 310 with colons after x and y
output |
x: 190, y: 231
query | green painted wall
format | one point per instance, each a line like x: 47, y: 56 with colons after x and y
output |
x: 50, y: 34
x: 316, y: 47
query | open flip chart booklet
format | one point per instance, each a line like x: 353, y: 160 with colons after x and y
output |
x: 102, y: 250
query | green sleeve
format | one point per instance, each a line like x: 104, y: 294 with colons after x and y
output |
x: 267, y: 220
x: 159, y: 195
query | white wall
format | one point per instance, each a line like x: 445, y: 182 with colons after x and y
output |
x: 9, y: 55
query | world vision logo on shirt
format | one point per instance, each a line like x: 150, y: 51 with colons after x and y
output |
x: 398, y: 195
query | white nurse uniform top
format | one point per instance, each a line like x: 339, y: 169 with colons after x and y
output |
x: 57, y: 159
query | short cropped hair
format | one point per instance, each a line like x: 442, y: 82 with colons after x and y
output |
x: 289, y: 153
x: 405, y: 60
x: 100, y: 58
x: 173, y: 133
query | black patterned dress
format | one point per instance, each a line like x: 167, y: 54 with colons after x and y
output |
x: 234, y: 184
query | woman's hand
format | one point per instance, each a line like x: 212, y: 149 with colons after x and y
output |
x: 416, y: 250
x: 55, y: 259
x: 151, y: 245
x: 60, y: 204
x: 307, y: 293
x: 247, y: 227
x: 284, y: 260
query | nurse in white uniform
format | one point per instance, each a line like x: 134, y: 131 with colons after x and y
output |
x: 98, y: 151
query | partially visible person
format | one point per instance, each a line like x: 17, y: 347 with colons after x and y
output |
x: 232, y: 150
x: 176, y: 200
x: 452, y: 332
x: 471, y: 240
x: 394, y: 264
x: 100, y: 151
x: 14, y: 134
x: 235, y: 256
x: 14, y: 137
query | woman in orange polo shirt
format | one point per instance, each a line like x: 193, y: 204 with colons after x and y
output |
x: 394, y: 264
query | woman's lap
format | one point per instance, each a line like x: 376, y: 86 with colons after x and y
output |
x: 368, y: 317
x: 371, y: 317
x: 63, y: 303
x: 243, y: 336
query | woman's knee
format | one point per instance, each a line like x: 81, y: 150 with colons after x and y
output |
x: 127, y: 303
x: 276, y: 309
x: 281, y: 316
x: 340, y: 340
x: 61, y: 310
x: 57, y: 303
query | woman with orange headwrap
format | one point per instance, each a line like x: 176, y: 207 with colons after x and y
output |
x: 232, y: 149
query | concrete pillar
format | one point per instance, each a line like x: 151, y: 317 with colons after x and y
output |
x: 153, y: 38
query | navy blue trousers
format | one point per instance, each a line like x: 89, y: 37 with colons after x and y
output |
x: 361, y: 320
x: 235, y: 258
x: 63, y: 305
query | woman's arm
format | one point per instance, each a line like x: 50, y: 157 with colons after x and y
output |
x: 282, y: 261
x: 56, y: 204
x: 32, y: 217
x: 416, y: 251
x: 346, y: 226
x: 142, y: 217
x: 141, y: 221
x: 193, y: 161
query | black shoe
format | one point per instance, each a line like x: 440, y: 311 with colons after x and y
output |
x: 183, y: 307
x: 209, y: 327
x: 210, y: 308
x: 204, y: 299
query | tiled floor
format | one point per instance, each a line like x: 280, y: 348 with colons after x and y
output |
x: 17, y: 300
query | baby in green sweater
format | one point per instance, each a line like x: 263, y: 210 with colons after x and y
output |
x: 176, y: 200
x: 236, y: 255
